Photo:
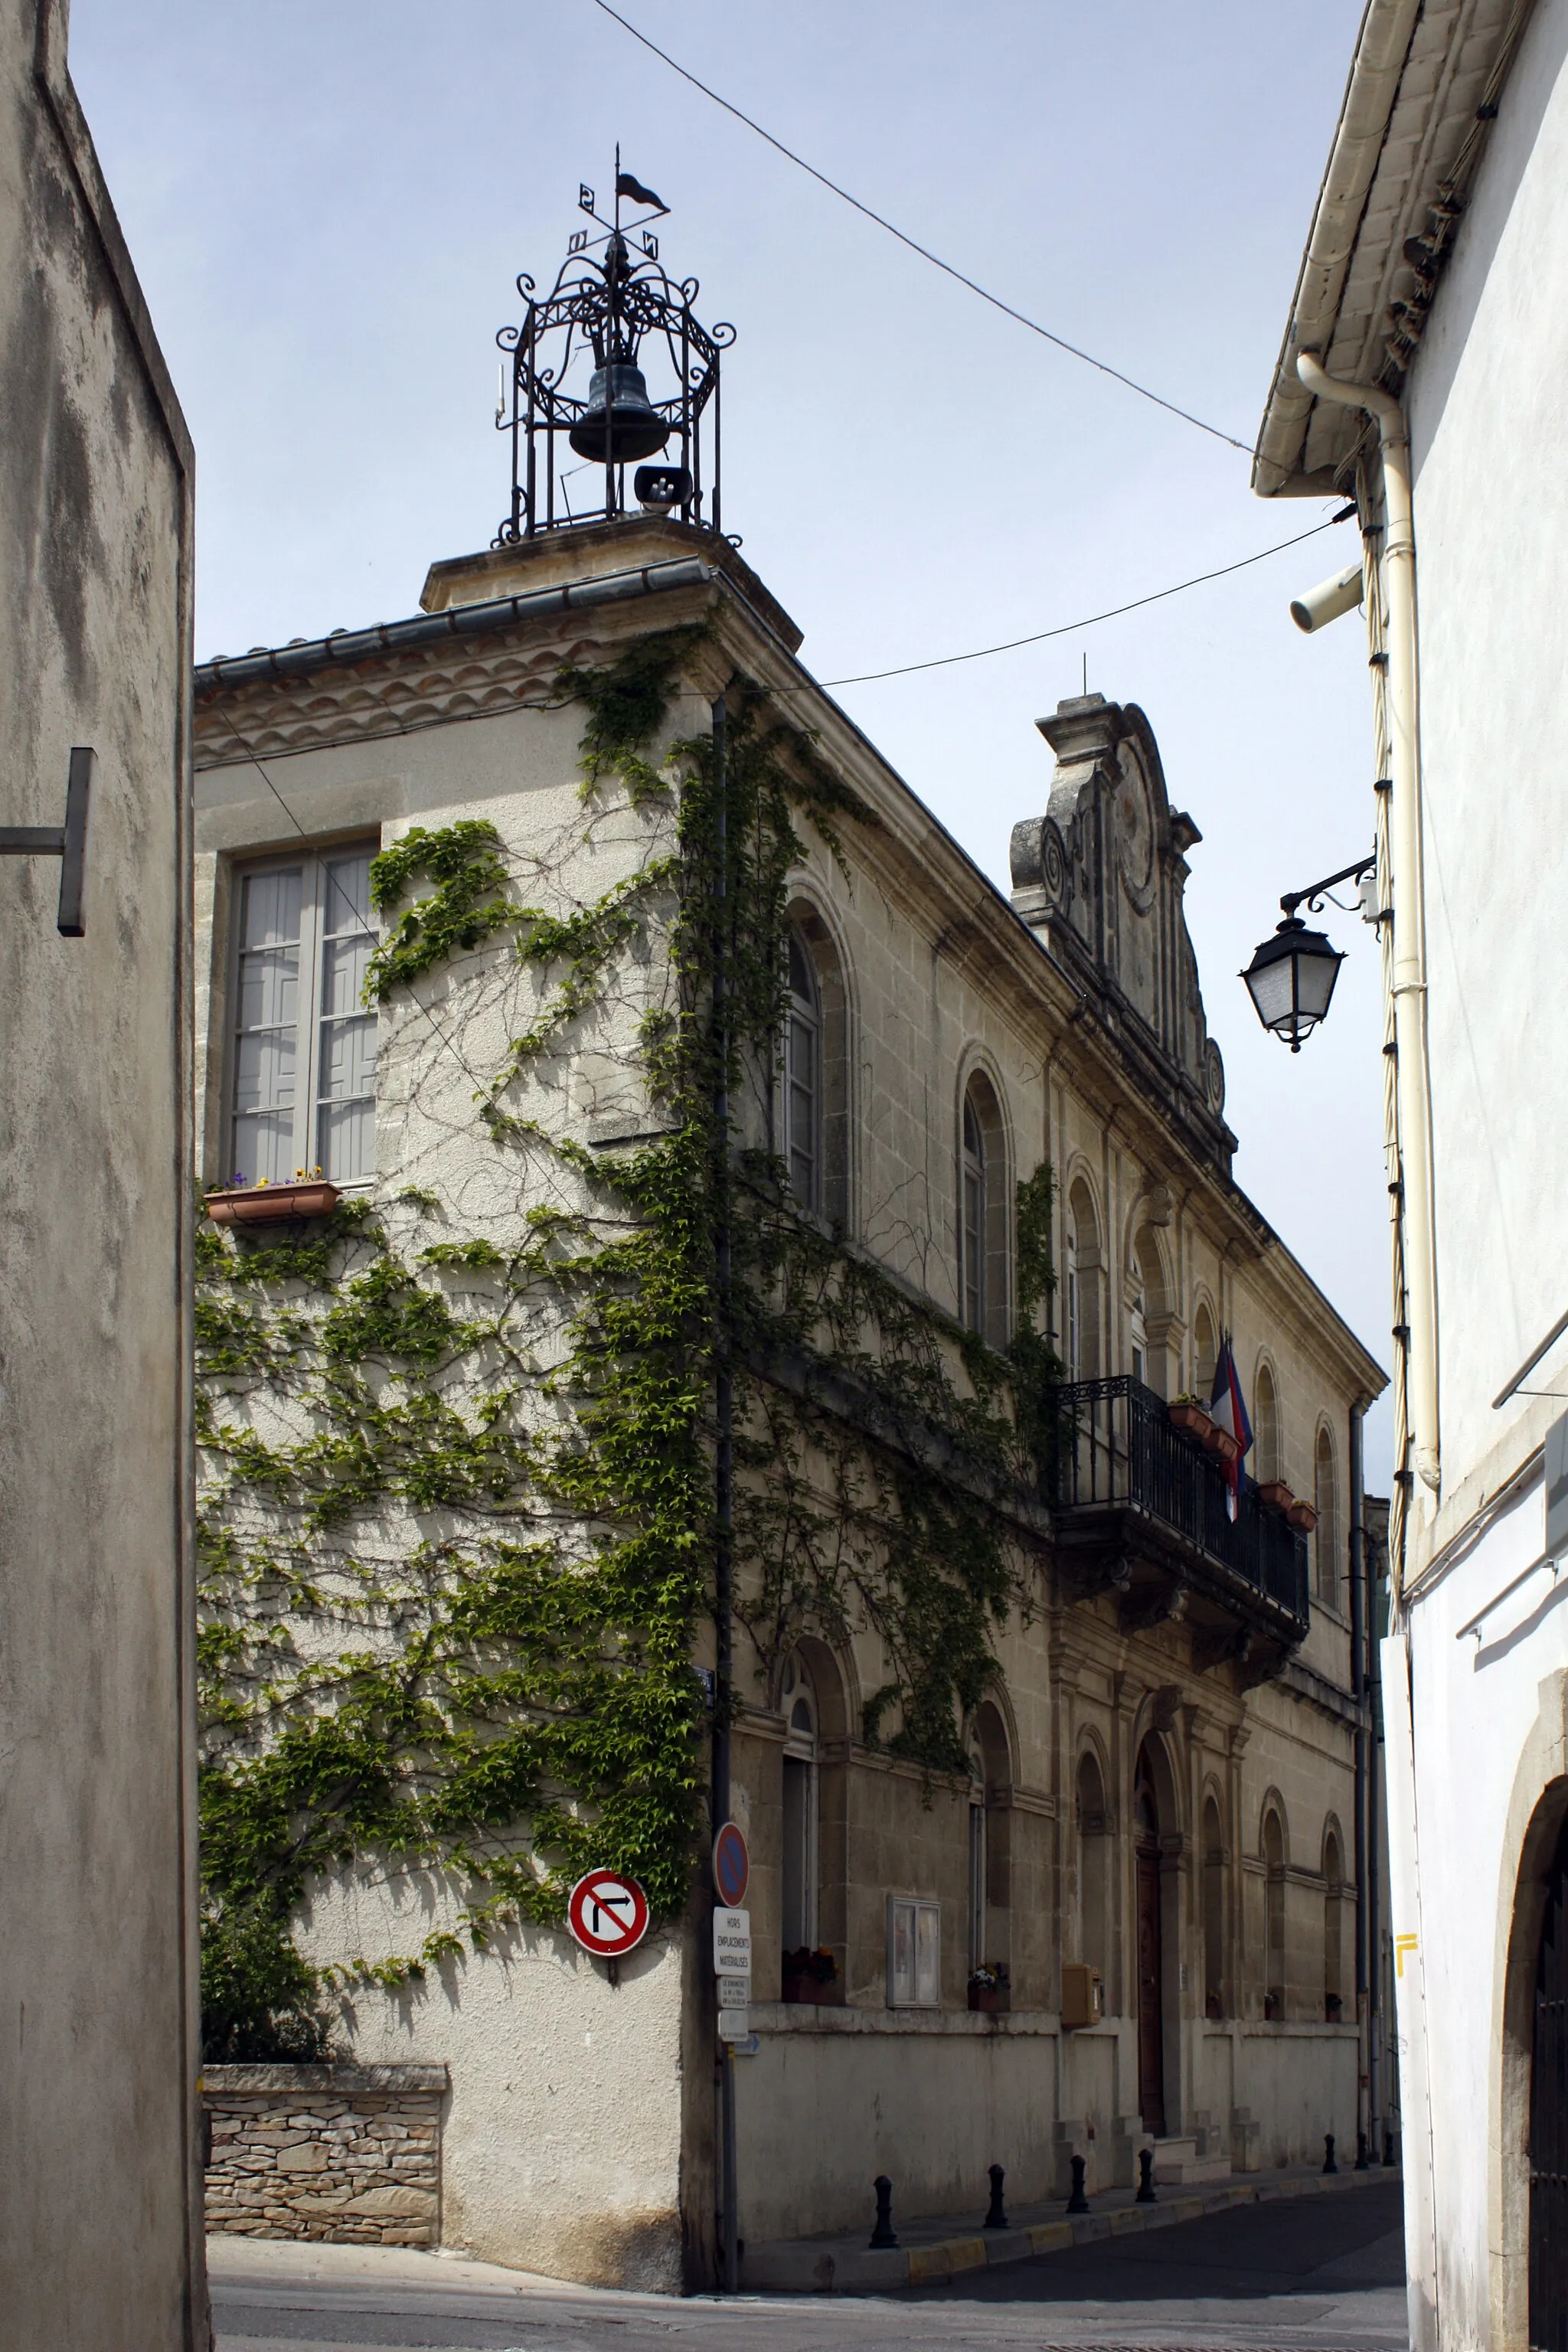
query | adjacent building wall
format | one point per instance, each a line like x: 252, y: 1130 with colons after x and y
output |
x: 100, y: 2183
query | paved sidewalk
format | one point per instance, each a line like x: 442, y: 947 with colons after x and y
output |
x: 931, y: 2252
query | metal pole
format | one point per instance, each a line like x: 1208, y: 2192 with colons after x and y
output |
x: 1358, y: 1691
x: 724, y: 1452
x: 1375, y: 2029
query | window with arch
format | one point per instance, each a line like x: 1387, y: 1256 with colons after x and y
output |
x: 1266, y: 1455
x: 1080, y: 1252
x: 1333, y: 1926
x: 803, y: 1076
x: 1093, y: 1865
x: 1326, y: 1538
x: 983, y: 1221
x: 1273, y: 1915
x: 811, y: 1118
x: 990, y: 1848
x: 1206, y: 1353
x: 977, y: 1952
x: 1214, y: 1909
x: 1148, y: 1300
x: 798, y: 1890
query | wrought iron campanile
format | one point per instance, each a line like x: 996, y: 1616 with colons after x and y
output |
x: 578, y: 405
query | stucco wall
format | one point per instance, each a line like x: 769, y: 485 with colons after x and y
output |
x: 1488, y: 410
x: 99, y: 2187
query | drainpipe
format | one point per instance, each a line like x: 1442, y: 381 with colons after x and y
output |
x: 724, y: 1477
x: 1358, y: 1691
x: 1409, y: 986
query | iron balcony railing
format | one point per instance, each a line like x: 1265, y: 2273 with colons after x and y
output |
x: 1115, y: 1448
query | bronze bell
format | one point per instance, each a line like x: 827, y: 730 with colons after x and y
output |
x: 632, y: 429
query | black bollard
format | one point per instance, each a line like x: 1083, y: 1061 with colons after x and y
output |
x: 1077, y: 2202
x: 1145, y: 2177
x: 1362, y: 2159
x: 883, y: 2235
x: 996, y: 2212
x: 1328, y: 2164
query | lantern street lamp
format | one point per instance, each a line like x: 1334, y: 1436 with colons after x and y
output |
x: 1291, y: 976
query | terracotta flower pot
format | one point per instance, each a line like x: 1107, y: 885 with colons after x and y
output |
x: 1221, y: 1442
x: 1190, y: 1418
x: 991, y: 2001
x: 1302, y: 1516
x: 271, y: 1204
x: 1275, y: 1491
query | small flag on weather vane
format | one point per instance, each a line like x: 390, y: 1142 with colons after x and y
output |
x: 626, y: 187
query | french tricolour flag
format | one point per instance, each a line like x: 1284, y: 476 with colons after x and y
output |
x: 1227, y: 1406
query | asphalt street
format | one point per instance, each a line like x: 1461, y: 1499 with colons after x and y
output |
x: 1324, y: 2274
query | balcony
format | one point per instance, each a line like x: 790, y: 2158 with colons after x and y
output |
x: 1141, y: 1511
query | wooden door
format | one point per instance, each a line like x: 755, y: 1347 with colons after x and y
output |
x: 1151, y: 1997
x: 1549, y: 2122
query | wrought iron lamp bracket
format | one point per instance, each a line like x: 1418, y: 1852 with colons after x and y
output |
x: 1315, y: 895
x: 66, y: 842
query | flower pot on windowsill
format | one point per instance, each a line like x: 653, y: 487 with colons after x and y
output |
x: 1275, y: 1491
x: 1303, y: 1517
x: 991, y: 2001
x: 1191, y: 1419
x: 272, y: 1204
x: 1214, y: 2008
x: 1333, y: 2008
x: 1221, y: 1443
x: 1273, y: 2007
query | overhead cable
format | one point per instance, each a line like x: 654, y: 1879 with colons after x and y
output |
x: 1069, y: 628
x: 1034, y: 326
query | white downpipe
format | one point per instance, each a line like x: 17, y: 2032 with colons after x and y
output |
x: 1409, y: 897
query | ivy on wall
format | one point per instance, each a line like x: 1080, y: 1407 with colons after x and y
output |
x: 456, y: 1516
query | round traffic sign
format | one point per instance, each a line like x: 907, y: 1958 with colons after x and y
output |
x: 732, y: 1866
x: 607, y: 1913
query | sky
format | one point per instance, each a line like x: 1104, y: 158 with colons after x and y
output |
x: 329, y: 207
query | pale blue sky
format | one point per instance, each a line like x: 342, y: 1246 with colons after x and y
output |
x: 329, y: 207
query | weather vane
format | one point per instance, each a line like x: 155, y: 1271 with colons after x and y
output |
x: 577, y: 367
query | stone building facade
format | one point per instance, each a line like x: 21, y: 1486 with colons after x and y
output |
x: 100, y: 2185
x: 1159, y: 1770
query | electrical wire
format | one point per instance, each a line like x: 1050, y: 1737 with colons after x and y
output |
x: 1068, y: 628
x: 1034, y: 326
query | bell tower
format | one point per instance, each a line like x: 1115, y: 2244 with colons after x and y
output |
x: 610, y: 369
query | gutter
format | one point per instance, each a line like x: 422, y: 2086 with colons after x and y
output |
x: 348, y: 645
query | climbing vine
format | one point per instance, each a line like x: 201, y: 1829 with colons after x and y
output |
x: 457, y: 1520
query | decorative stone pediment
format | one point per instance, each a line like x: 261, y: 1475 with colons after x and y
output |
x: 1100, y: 878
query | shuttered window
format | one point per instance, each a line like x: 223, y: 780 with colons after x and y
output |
x: 303, y: 1051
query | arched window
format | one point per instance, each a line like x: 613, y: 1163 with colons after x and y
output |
x: 1326, y: 1542
x: 977, y: 1952
x: 1266, y: 1428
x: 1148, y: 1302
x: 803, y: 1076
x: 975, y: 1219
x: 1092, y: 1871
x: 1072, y: 1306
x: 1333, y: 1875
x: 1213, y: 1910
x: 983, y: 1219
x: 1206, y: 1354
x: 1273, y: 1915
x: 797, y: 1703
x: 1083, y: 1300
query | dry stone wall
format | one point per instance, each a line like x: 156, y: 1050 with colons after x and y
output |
x: 347, y: 2153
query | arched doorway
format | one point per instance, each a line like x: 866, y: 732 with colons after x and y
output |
x: 1150, y: 1948
x: 1549, y: 2120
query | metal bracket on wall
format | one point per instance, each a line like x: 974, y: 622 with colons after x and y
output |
x: 66, y: 842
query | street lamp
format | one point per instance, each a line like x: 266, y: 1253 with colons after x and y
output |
x: 1291, y: 976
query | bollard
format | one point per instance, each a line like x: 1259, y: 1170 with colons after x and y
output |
x: 1328, y: 2164
x: 996, y: 2212
x: 1077, y: 2202
x: 1145, y: 2177
x: 883, y: 2235
x: 1362, y: 2156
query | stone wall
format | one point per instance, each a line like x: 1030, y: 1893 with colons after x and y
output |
x: 348, y: 2153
